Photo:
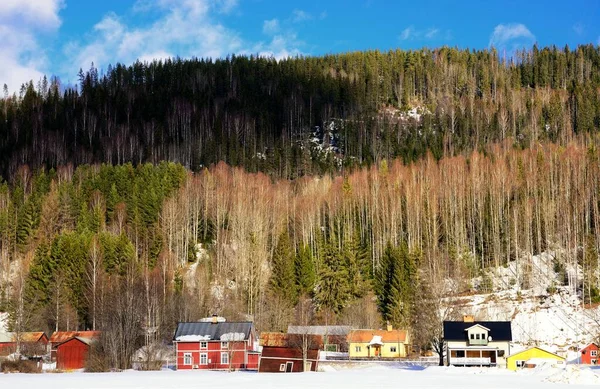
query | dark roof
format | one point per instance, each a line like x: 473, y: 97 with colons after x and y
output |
x: 213, y: 331
x: 320, y: 330
x: 499, y: 330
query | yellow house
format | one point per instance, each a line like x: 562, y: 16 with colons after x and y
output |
x: 531, y: 357
x: 388, y: 343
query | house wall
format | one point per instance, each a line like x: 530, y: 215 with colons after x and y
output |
x: 386, y: 351
x: 501, y: 361
x: 71, y: 355
x: 237, y: 351
x: 511, y: 361
x: 586, y: 355
x: 273, y: 357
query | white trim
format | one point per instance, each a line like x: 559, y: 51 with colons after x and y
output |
x: 226, y: 355
x: 477, y: 325
x: 206, y: 360
x: 190, y: 361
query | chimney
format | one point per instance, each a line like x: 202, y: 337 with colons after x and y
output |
x: 389, y: 326
x: 468, y: 318
x: 215, y: 319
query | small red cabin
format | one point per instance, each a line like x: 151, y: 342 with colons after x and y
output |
x: 33, y: 344
x: 214, y: 344
x: 589, y: 354
x: 283, y: 353
x: 72, y: 354
x: 60, y: 337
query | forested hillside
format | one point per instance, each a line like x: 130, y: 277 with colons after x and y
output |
x: 169, y: 191
x: 260, y: 113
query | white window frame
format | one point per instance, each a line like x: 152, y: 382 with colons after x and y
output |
x: 226, y: 355
x: 224, y: 345
x: 593, y: 353
x: 393, y: 349
x: 203, y: 345
x: 520, y: 363
x: 205, y: 356
x: 357, y: 349
x: 282, y: 367
x: 188, y: 360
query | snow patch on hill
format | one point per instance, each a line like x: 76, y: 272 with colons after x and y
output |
x: 542, y: 310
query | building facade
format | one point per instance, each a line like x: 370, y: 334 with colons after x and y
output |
x: 376, y: 344
x: 216, y: 345
x: 477, y: 343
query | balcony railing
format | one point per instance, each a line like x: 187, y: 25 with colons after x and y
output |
x: 478, y: 342
x: 471, y: 361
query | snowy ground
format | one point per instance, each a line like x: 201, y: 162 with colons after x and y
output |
x: 381, y: 377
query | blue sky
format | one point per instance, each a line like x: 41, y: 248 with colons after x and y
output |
x: 57, y: 37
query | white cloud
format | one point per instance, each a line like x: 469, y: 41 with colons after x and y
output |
x: 579, y: 28
x: 22, y: 57
x: 411, y: 33
x: 513, y: 35
x: 186, y: 28
x: 407, y: 33
x: 299, y: 15
x: 431, y: 33
x: 42, y: 13
x: 280, y: 47
x: 271, y: 26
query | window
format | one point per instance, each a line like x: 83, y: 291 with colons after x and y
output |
x: 358, y: 349
x: 187, y: 358
x: 282, y: 367
x: 224, y: 359
x: 593, y: 353
x: 393, y: 349
x: 472, y: 336
x: 203, y: 344
x: 594, y: 361
x: 204, y: 359
x: 224, y: 345
x: 476, y: 336
x: 520, y: 363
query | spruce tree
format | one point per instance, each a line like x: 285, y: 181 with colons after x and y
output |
x: 283, y: 277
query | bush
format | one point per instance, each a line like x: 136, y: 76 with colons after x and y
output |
x: 21, y: 366
x: 97, y: 361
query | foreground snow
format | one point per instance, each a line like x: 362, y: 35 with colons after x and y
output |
x: 379, y: 376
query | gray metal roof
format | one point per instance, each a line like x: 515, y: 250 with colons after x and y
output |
x: 213, y: 331
x: 320, y: 330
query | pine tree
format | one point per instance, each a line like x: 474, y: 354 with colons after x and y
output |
x: 305, y: 270
x: 283, y: 277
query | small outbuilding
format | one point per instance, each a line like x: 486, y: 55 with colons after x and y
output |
x: 72, y: 354
x: 60, y: 337
x: 533, y: 357
x: 589, y: 354
x: 284, y: 353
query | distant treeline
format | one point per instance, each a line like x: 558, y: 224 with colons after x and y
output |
x: 259, y: 113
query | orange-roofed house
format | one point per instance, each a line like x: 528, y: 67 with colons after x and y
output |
x: 62, y: 336
x: 375, y: 344
x: 33, y: 344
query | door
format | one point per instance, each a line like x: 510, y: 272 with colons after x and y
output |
x: 289, y: 366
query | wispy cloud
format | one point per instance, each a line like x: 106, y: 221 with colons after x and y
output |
x: 579, y: 28
x: 299, y: 16
x: 411, y: 33
x: 271, y: 26
x: 511, y: 36
x: 184, y: 28
x: 22, y: 23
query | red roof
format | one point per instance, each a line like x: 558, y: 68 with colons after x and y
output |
x: 278, y: 339
x: 28, y: 337
x: 590, y: 346
x: 62, y: 336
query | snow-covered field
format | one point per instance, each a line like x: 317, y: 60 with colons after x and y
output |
x: 377, y: 376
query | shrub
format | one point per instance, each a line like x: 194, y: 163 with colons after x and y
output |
x: 21, y: 366
x: 97, y: 361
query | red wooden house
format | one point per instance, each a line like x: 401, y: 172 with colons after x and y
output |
x: 33, y: 344
x: 216, y: 344
x: 72, y: 354
x: 62, y: 336
x: 589, y: 354
x: 283, y: 353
